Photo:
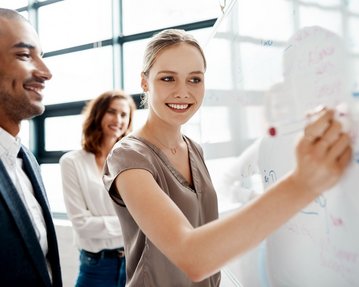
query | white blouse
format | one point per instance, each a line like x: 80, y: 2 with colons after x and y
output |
x: 89, y: 206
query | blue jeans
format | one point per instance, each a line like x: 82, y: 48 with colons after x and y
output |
x: 97, y: 270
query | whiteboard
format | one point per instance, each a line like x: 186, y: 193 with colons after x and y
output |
x: 245, y: 64
x: 284, y: 58
x: 318, y: 246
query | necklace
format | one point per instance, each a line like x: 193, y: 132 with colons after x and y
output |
x: 151, y: 134
x: 173, y: 150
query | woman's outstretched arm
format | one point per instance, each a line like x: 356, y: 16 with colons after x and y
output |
x: 322, y: 156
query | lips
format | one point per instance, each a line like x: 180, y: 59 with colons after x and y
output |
x: 35, y: 87
x: 114, y: 127
x: 180, y: 107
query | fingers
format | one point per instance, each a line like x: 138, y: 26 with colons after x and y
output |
x: 333, y: 132
x: 330, y: 136
x: 323, y: 152
x: 345, y: 158
x: 318, y: 127
x: 339, y: 147
x: 326, y: 134
x: 332, y: 143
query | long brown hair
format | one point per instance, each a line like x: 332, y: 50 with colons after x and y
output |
x: 94, y: 111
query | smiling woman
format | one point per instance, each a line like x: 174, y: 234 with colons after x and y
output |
x: 86, y: 64
x: 172, y: 233
x: 98, y: 235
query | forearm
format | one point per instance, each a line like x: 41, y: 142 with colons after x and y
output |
x: 96, y: 227
x: 89, y: 220
x: 214, y: 244
x: 322, y: 156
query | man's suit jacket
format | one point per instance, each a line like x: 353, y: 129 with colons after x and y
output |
x: 22, y: 262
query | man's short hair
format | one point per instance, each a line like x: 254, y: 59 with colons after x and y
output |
x: 11, y: 14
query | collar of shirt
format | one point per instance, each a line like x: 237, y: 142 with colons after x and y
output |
x: 9, y: 146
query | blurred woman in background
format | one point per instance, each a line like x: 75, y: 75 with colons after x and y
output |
x: 97, y: 230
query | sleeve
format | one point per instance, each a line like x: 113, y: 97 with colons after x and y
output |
x: 86, y: 224
x: 198, y: 147
x: 126, y: 156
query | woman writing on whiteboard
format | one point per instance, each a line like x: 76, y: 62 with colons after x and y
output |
x: 164, y: 195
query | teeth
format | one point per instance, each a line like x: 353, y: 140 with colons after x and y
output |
x: 37, y: 90
x: 114, y: 127
x: 178, y: 106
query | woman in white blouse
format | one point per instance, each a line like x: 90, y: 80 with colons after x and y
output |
x: 97, y: 230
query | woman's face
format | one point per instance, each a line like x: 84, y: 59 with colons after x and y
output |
x: 175, y: 84
x: 116, y: 119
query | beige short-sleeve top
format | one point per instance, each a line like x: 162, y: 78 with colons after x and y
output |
x: 145, y: 264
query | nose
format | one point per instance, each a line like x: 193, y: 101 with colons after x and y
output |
x: 182, y: 91
x: 42, y: 71
x: 119, y: 118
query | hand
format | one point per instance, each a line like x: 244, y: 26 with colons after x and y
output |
x: 322, y: 154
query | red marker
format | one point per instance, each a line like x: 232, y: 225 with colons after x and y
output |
x: 298, y: 125
x: 288, y: 128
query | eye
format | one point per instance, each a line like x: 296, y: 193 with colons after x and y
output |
x: 167, y: 79
x: 195, y: 80
x: 23, y: 56
x: 112, y: 112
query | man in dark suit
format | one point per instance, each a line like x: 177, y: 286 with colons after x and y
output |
x: 28, y: 247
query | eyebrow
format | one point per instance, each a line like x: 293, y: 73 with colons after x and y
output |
x: 27, y: 46
x: 173, y: 72
x: 197, y: 72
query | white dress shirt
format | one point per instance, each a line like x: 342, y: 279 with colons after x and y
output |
x: 9, y: 148
x: 88, y: 204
